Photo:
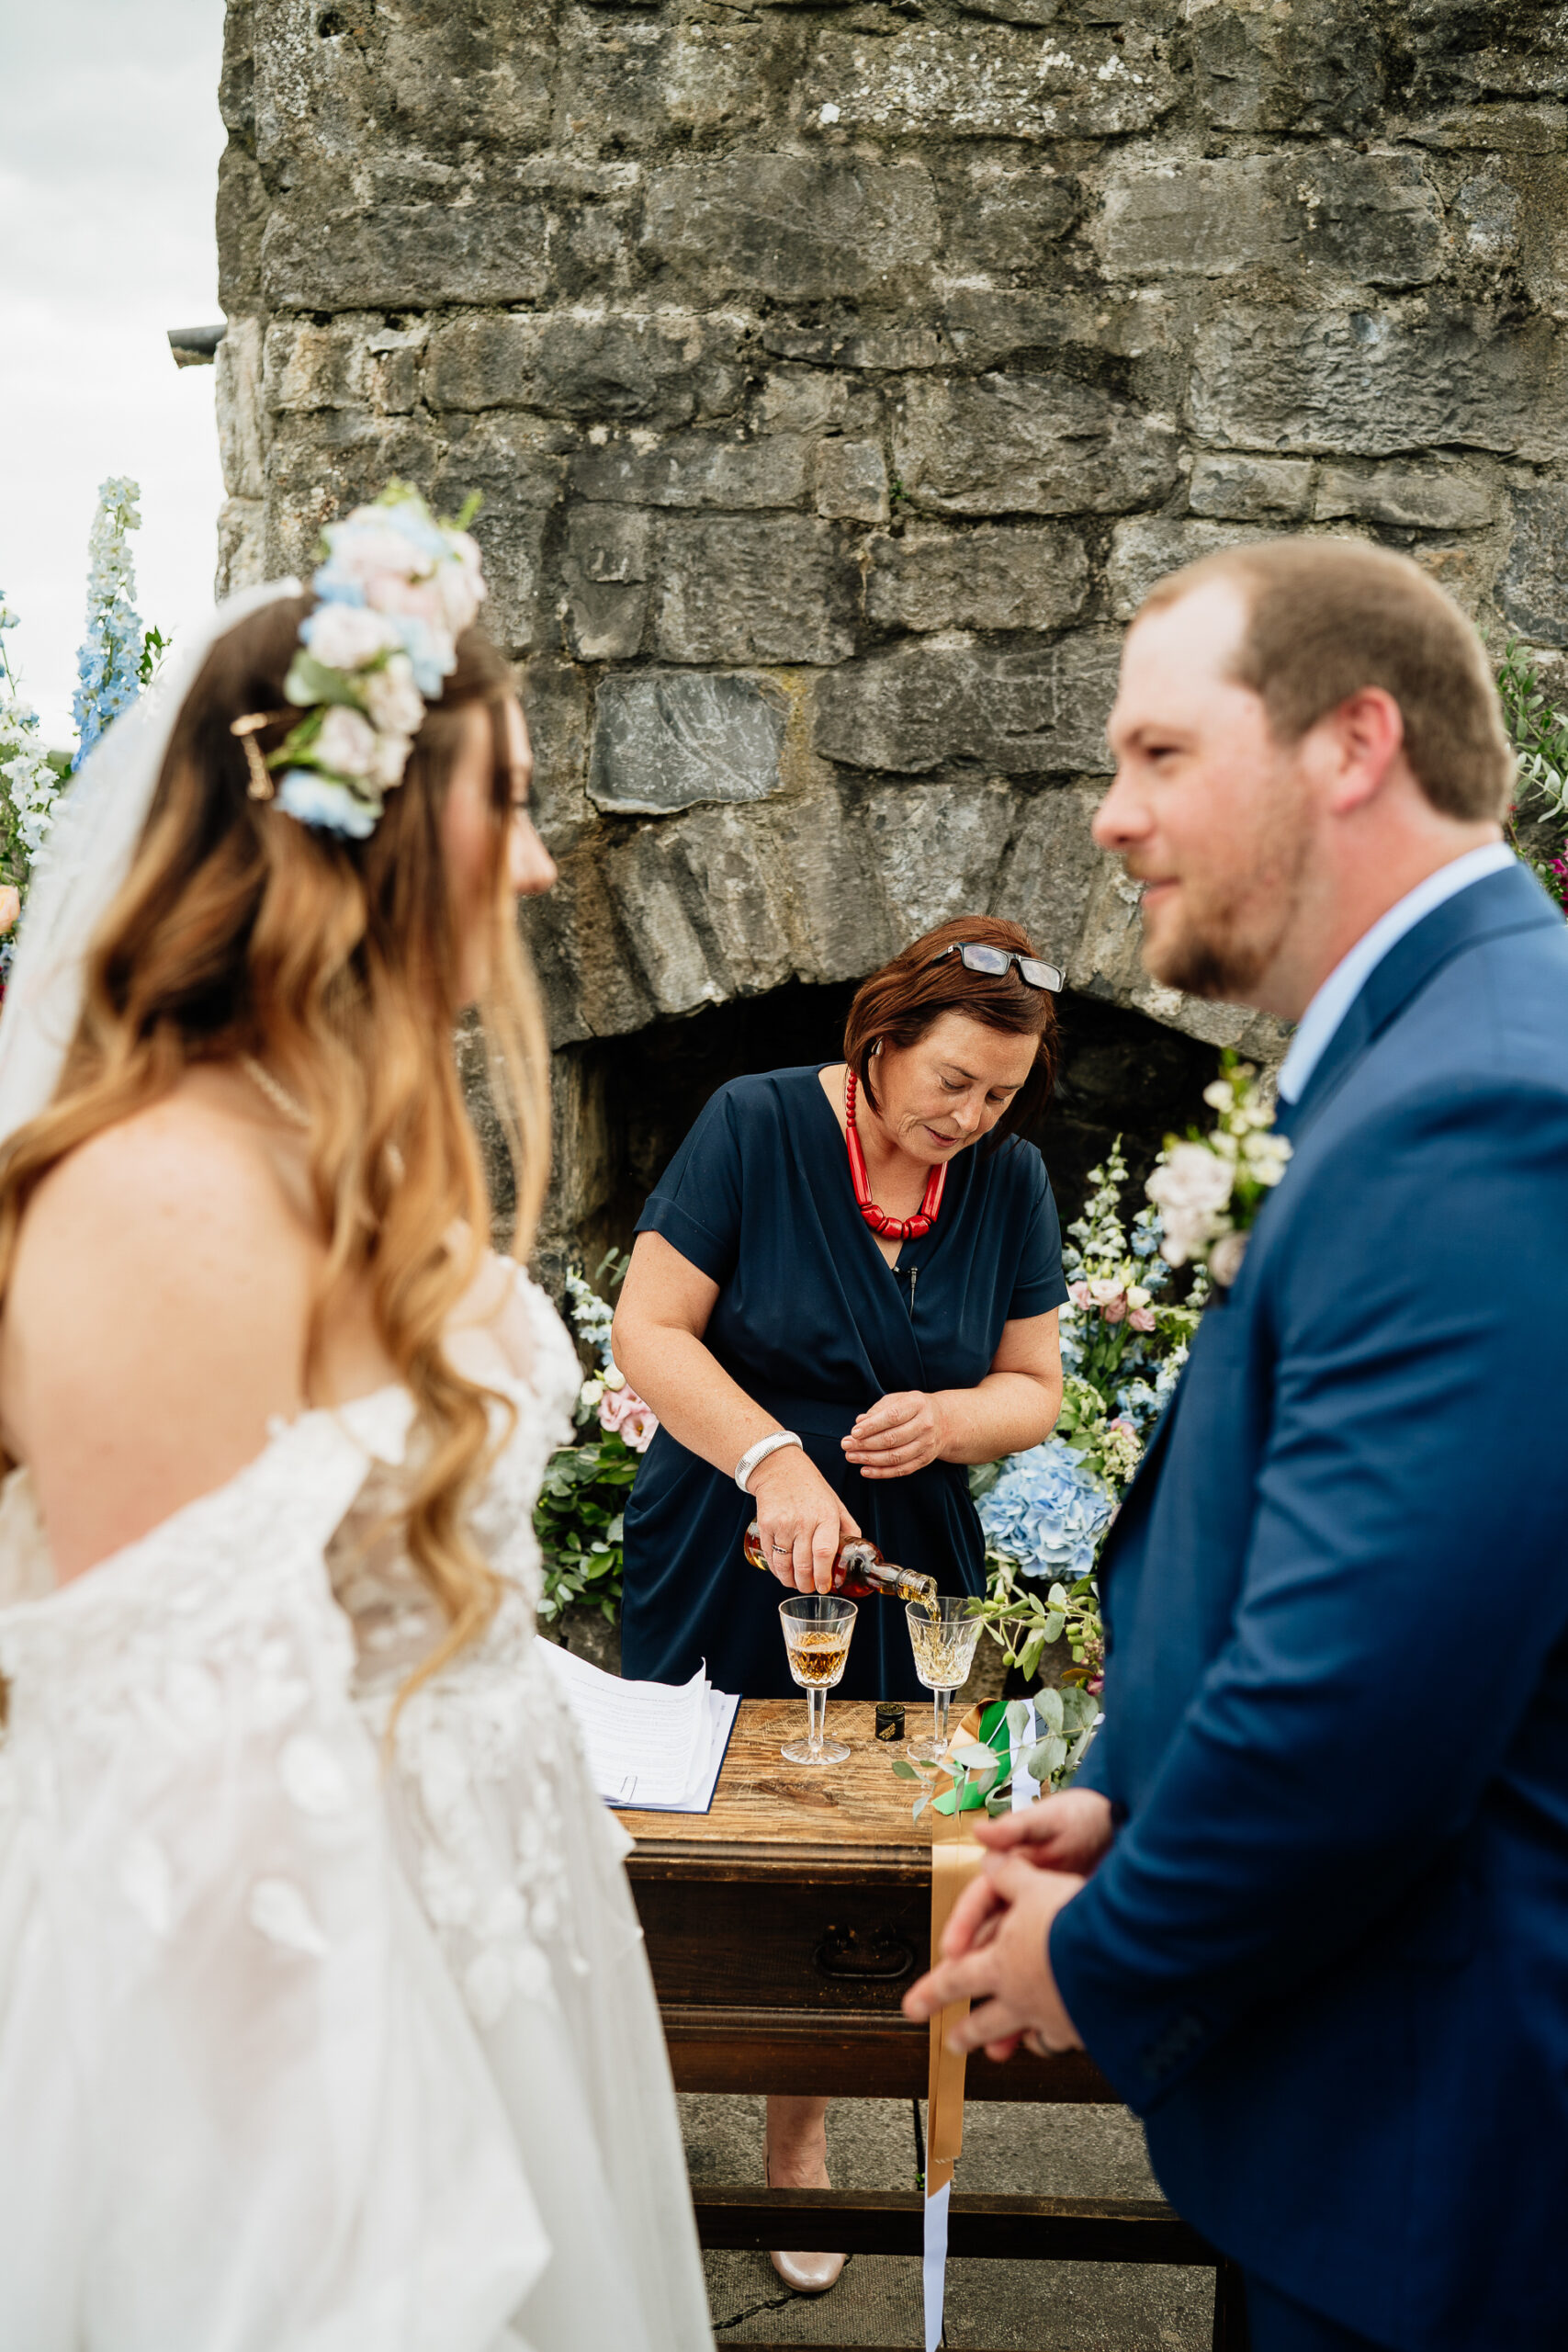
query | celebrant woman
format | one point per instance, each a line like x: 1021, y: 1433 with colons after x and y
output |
x: 843, y: 1291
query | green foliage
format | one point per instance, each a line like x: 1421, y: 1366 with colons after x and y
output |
x: 154, y: 645
x: 578, y: 1519
x: 1538, y: 730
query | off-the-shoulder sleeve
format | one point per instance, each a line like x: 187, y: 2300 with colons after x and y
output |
x: 1039, y: 1285
x: 696, y: 1202
x: 241, y: 2102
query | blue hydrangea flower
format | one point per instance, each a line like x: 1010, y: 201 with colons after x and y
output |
x: 315, y: 799
x: 108, y: 666
x: 1046, y: 1513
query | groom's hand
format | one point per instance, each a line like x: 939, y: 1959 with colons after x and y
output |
x: 995, y: 1955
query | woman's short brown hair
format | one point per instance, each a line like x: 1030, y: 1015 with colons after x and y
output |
x: 1325, y: 617
x: 898, y: 1004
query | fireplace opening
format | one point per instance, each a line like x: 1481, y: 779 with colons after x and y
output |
x: 629, y: 1101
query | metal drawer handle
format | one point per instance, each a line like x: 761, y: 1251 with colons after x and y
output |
x: 845, y: 1952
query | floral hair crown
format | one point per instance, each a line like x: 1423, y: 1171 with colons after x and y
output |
x: 395, y: 591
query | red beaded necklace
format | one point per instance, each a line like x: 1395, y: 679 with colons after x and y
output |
x: 894, y: 1228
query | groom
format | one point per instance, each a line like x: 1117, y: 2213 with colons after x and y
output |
x: 1307, y: 1905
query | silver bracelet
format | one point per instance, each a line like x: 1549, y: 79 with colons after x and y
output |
x: 760, y: 1453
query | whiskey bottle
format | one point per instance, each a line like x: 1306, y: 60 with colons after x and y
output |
x: 859, y: 1572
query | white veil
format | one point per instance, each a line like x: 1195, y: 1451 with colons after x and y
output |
x: 86, y: 857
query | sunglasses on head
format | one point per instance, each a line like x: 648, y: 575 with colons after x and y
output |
x: 993, y: 963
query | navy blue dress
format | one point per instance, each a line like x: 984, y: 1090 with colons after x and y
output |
x: 814, y: 1324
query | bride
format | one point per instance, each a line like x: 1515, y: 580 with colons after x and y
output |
x: 325, y: 2024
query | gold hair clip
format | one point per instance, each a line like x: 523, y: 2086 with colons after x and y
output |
x: 261, y: 786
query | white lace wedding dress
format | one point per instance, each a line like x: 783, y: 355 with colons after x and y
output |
x: 306, y: 2046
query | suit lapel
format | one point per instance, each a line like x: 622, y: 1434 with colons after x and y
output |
x: 1509, y: 900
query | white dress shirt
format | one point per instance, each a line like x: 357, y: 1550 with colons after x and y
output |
x: 1346, y: 981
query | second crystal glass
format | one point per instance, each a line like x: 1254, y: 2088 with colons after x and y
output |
x: 943, y: 1634
x: 817, y: 1629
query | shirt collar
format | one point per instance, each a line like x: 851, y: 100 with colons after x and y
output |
x: 1345, y: 983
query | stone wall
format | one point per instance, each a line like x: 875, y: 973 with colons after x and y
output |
x: 839, y: 378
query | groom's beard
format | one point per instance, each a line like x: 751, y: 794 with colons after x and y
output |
x: 1229, y: 926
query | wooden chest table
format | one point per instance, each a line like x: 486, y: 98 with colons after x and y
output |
x: 783, y: 1927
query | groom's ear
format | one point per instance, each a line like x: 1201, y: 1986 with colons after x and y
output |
x: 1352, y: 749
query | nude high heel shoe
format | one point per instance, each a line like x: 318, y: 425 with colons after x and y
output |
x: 807, y: 2274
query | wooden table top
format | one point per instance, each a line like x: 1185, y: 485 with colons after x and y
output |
x: 765, y: 1809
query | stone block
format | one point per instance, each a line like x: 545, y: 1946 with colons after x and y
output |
x: 241, y: 546
x: 1368, y: 383
x: 992, y: 81
x: 668, y: 948
x: 1321, y: 68
x: 353, y: 363
x: 1040, y: 709
x: 987, y: 325
x: 1148, y: 546
x: 852, y: 480
x: 606, y: 567
x: 883, y: 349
x: 243, y: 208
x: 588, y: 972
x: 698, y: 469
x: 751, y: 588
x: 997, y: 576
x: 1325, y: 211
x: 1029, y: 444
x: 999, y: 217
x: 732, y: 75
x: 243, y: 427
x: 799, y: 227
x: 838, y: 922
x: 320, y: 466
x: 610, y: 89
x: 1051, y: 867
x: 663, y: 365
x: 1489, y: 209
x: 1251, y: 490
x: 1504, y: 130
x: 1534, y: 586
x: 555, y: 701
x: 404, y: 257
x: 937, y: 848
x: 1432, y: 497
x: 740, y: 895
x: 667, y: 740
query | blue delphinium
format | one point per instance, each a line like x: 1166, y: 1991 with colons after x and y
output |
x: 109, y: 665
x: 1046, y: 1513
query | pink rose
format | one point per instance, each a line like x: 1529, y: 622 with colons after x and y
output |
x: 1080, y: 1296
x: 623, y: 1411
x: 1113, y: 1309
x: 1142, y: 1318
x: 388, y: 591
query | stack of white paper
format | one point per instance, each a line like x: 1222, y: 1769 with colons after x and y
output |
x: 656, y: 1746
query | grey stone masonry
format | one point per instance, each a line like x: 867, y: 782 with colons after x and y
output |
x: 838, y: 378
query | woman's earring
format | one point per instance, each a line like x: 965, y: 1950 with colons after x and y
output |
x: 875, y: 1050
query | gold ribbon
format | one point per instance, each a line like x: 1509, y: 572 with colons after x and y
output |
x: 955, y: 1857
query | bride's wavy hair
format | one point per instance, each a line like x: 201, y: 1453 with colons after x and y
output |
x: 239, y: 930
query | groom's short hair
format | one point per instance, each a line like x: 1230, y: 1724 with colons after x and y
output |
x: 1325, y: 617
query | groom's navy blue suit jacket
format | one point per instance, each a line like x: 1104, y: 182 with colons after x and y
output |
x: 1327, y: 1959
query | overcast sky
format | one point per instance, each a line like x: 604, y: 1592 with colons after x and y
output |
x: 108, y: 164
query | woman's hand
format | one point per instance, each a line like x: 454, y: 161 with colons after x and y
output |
x: 802, y: 1521
x: 900, y: 1433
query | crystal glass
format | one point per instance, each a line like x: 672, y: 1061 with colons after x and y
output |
x: 943, y: 1635
x: 817, y: 1629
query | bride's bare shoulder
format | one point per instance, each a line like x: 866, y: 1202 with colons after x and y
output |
x: 180, y: 1186
x: 156, y: 1318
